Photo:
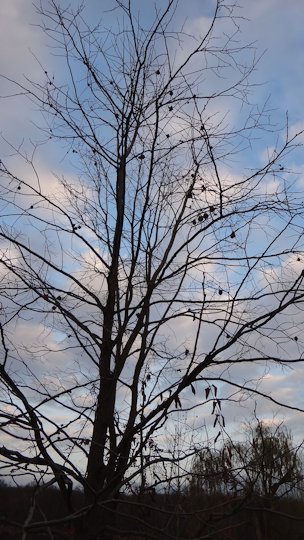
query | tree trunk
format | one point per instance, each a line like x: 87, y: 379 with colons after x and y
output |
x: 97, y: 524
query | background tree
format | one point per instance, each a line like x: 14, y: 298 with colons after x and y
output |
x: 141, y: 273
x: 266, y: 464
x: 210, y: 473
x: 248, y: 479
x: 271, y: 465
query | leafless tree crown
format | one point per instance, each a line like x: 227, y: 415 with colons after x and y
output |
x: 139, y: 282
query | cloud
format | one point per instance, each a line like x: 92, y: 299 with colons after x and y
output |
x: 18, y: 37
x: 277, y: 27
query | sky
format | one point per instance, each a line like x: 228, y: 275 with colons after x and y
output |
x: 276, y: 29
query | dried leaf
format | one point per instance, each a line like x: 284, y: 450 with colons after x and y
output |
x: 217, y: 437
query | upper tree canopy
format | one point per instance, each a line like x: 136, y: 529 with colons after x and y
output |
x: 157, y: 267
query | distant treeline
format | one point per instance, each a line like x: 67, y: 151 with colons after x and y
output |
x: 251, y: 490
x: 154, y: 516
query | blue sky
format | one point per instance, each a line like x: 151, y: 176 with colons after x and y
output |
x: 276, y: 29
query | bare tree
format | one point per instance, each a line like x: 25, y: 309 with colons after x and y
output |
x: 130, y: 287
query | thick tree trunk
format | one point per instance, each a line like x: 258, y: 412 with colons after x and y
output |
x: 98, y: 523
